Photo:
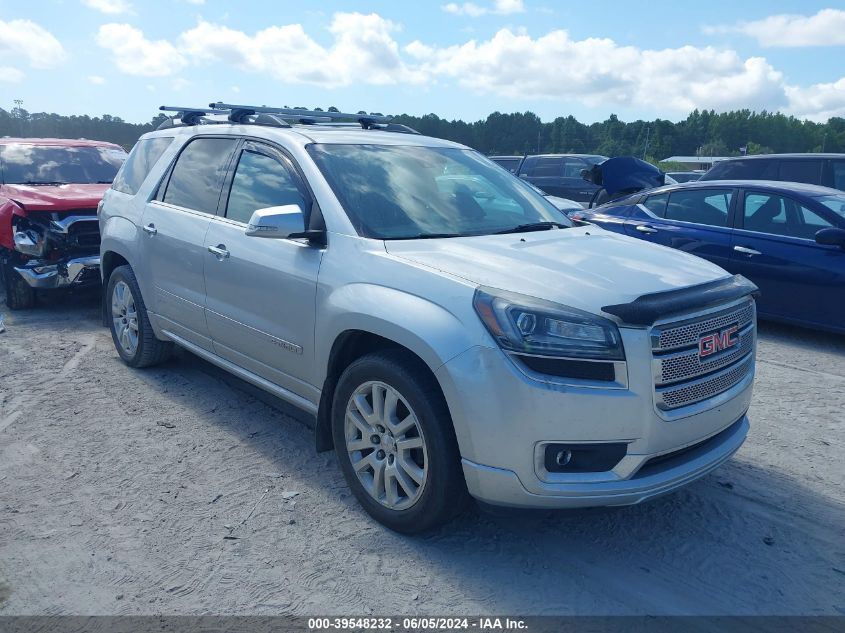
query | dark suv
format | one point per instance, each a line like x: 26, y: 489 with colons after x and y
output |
x: 827, y: 170
x: 556, y: 174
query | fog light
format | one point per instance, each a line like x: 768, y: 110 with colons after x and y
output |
x: 563, y: 457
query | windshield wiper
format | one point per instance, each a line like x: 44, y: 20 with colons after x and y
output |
x: 45, y: 183
x: 424, y: 236
x: 533, y: 226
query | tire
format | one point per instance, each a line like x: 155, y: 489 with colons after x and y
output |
x: 19, y: 294
x: 129, y: 324
x: 421, y: 484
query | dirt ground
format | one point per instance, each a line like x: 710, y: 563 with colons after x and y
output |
x: 176, y: 490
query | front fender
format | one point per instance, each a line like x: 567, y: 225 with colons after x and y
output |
x: 427, y: 329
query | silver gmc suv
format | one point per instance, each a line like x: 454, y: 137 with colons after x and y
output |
x: 452, y: 332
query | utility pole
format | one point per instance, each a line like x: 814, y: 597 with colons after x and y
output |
x: 538, y: 139
x: 824, y: 138
x: 18, y: 109
x: 647, y: 135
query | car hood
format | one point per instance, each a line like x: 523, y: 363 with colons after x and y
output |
x: 54, y: 198
x: 582, y: 267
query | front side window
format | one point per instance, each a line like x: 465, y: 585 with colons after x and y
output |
x: 657, y: 204
x: 24, y: 164
x: 834, y: 203
x: 838, y: 169
x: 142, y: 159
x: 261, y: 181
x: 198, y: 175
x: 700, y: 206
x: 407, y: 192
x: 779, y: 215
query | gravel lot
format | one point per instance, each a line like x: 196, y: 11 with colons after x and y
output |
x: 177, y: 490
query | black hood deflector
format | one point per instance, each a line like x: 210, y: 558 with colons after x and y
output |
x: 647, y: 309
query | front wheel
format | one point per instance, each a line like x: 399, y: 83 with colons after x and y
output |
x: 19, y: 294
x: 130, y: 327
x: 394, y: 439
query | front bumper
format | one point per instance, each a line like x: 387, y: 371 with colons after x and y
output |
x: 504, y: 419
x: 501, y: 487
x: 76, y: 272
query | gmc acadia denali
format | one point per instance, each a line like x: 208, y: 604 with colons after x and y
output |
x: 448, y: 343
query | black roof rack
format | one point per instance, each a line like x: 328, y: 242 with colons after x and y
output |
x: 277, y: 117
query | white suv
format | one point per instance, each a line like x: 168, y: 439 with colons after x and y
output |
x: 451, y: 331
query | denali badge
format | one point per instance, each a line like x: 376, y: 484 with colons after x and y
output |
x: 717, y: 341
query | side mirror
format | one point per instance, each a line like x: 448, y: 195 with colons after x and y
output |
x: 831, y: 237
x: 277, y: 222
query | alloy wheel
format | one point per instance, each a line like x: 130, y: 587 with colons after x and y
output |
x: 125, y: 317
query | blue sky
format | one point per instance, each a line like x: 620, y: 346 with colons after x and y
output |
x: 457, y: 59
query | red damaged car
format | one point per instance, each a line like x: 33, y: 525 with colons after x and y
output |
x: 49, y: 192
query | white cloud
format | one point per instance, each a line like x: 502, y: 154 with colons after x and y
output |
x: 500, y: 7
x: 596, y: 72
x: 600, y: 72
x: 10, y: 75
x: 818, y: 102
x: 134, y: 54
x: 363, y: 51
x: 112, y: 7
x: 825, y: 28
x: 37, y: 44
x: 96, y: 80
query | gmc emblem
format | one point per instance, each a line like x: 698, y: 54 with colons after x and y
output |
x: 709, y: 344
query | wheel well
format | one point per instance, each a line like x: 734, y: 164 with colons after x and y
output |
x: 348, y: 347
x: 108, y: 263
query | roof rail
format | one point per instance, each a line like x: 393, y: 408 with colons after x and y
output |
x: 277, y: 117
x: 309, y: 117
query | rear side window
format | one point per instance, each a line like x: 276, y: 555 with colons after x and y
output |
x: 751, y: 169
x: 779, y: 215
x: 261, y: 181
x: 808, y: 171
x: 511, y: 164
x: 142, y: 159
x: 700, y: 206
x: 197, y: 177
x: 546, y: 167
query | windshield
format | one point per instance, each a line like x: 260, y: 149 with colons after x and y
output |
x: 24, y: 164
x: 834, y: 203
x: 407, y: 192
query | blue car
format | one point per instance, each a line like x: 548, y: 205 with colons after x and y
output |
x: 788, y: 238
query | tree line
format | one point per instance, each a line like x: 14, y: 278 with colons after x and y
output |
x: 703, y: 132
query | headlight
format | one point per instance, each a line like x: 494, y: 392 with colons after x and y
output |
x: 527, y: 325
x: 30, y: 242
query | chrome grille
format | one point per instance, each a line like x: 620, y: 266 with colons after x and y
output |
x: 690, y: 393
x: 674, y: 336
x: 681, y: 376
x: 687, y: 364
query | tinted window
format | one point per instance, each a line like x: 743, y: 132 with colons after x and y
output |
x: 546, y: 167
x: 750, y: 169
x: 510, y: 164
x: 141, y: 160
x: 701, y: 206
x: 48, y: 165
x: 260, y: 182
x: 838, y: 167
x: 198, y: 174
x: 403, y: 192
x: 809, y: 171
x: 779, y: 215
x: 572, y: 168
x: 657, y: 204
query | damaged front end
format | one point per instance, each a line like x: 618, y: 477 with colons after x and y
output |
x: 56, y: 249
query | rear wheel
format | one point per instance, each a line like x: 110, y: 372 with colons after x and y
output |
x: 394, y: 439
x: 19, y: 294
x: 130, y: 327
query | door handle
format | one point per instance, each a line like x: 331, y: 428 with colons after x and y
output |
x: 644, y: 228
x: 219, y: 251
x: 746, y: 251
x: 151, y: 229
